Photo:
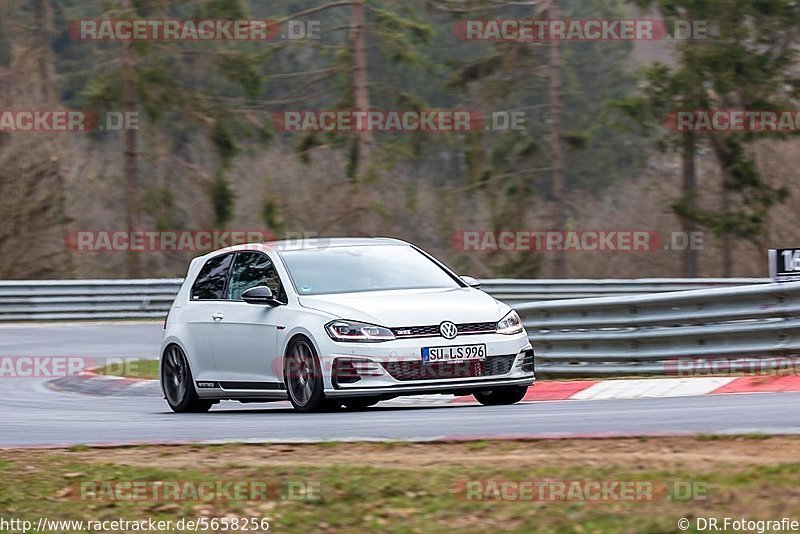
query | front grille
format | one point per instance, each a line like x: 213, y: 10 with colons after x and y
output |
x: 498, y: 365
x: 415, y: 370
x: 433, y: 330
x: 476, y: 328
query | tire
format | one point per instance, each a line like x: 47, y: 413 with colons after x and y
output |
x: 360, y: 403
x: 302, y: 374
x: 178, y: 384
x: 501, y: 396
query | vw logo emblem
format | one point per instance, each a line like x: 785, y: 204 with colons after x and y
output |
x: 448, y: 330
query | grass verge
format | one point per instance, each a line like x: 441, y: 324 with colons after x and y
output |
x: 408, y: 487
x: 145, y: 369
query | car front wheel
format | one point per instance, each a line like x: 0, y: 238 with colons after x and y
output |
x: 501, y: 396
x: 303, y: 375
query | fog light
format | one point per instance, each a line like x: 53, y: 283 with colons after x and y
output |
x: 350, y: 370
x: 526, y: 363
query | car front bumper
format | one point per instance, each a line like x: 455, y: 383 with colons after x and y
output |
x: 395, y: 368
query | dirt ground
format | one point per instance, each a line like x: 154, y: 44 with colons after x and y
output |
x: 420, y: 487
x: 689, y: 453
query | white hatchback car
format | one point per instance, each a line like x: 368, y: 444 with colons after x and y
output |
x: 332, y: 322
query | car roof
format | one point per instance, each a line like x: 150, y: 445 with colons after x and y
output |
x: 310, y: 244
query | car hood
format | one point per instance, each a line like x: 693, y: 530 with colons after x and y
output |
x: 411, y: 307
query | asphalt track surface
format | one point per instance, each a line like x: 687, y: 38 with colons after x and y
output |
x: 32, y: 414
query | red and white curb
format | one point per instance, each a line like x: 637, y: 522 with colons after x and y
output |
x: 656, y: 387
x: 92, y: 384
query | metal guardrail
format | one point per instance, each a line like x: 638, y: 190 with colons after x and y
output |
x: 31, y: 300
x: 68, y: 300
x: 741, y: 322
x: 512, y: 291
x: 678, y: 333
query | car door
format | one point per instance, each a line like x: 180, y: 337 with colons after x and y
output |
x: 208, y: 289
x: 245, y: 335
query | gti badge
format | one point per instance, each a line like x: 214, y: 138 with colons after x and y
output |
x: 448, y: 330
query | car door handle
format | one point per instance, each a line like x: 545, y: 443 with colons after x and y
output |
x: 217, y: 316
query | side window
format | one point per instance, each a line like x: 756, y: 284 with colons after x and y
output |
x: 210, y: 283
x: 253, y: 269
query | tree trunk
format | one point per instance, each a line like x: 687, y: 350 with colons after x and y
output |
x: 365, y: 198
x: 42, y: 20
x: 32, y: 190
x: 360, y: 91
x: 724, y: 158
x: 690, y: 258
x: 559, y: 216
x: 727, y: 240
x: 130, y: 159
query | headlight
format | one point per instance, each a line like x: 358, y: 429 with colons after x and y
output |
x: 341, y: 330
x: 510, y: 324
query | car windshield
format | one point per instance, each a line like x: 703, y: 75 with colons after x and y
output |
x: 363, y: 268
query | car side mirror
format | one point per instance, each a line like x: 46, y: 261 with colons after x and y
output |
x: 260, y: 295
x: 471, y: 282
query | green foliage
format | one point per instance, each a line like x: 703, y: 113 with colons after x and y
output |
x: 513, y: 76
x: 243, y: 69
x: 352, y: 159
x: 476, y: 70
x: 222, y: 137
x: 156, y: 89
x: 745, y: 65
x: 103, y: 91
x: 159, y: 203
x: 222, y: 200
x: 305, y: 145
x: 5, y: 51
x: 272, y: 214
x: 399, y: 35
x: 743, y: 179
x: 143, y: 369
x: 217, y: 94
x: 221, y: 10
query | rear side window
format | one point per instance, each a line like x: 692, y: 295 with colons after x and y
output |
x: 210, y: 283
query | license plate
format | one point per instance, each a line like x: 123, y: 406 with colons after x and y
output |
x: 454, y: 354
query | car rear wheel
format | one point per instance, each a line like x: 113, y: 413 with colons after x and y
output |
x: 179, y: 385
x: 501, y: 396
x: 303, y: 376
